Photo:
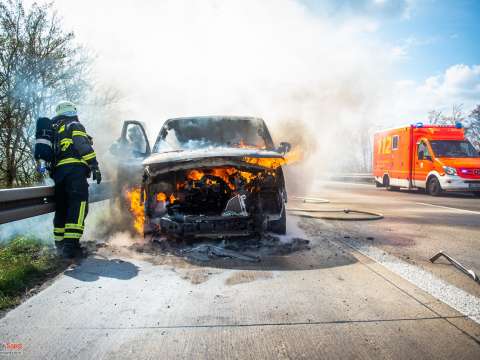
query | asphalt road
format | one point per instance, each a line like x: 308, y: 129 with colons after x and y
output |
x: 360, y: 292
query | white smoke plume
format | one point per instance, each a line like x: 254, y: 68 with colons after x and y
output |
x: 315, y: 80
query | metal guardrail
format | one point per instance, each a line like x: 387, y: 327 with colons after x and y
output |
x: 22, y: 203
x: 354, y: 177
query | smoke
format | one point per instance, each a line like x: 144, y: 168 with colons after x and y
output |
x: 39, y: 227
x: 316, y: 80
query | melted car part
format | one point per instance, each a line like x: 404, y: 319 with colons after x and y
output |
x: 236, y: 206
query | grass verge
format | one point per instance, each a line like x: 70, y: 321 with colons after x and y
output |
x: 24, y: 264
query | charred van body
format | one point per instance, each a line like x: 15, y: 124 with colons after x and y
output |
x: 214, y: 177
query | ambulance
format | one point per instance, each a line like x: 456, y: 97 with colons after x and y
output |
x: 436, y: 158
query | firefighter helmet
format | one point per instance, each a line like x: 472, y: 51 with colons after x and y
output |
x: 66, y: 108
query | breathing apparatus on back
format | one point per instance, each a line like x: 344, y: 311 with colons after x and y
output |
x: 44, y: 152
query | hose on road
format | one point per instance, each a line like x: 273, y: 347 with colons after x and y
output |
x: 307, y: 213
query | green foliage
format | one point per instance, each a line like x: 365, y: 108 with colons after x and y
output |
x: 24, y: 263
x: 40, y: 64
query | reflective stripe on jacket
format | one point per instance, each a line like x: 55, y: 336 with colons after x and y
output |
x: 72, y: 143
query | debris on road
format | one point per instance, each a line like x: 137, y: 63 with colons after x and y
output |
x: 457, y: 264
x: 205, y: 252
x: 245, y: 250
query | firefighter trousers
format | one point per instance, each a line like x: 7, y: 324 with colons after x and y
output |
x: 71, y: 203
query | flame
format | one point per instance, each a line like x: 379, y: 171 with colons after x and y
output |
x: 161, y: 197
x: 224, y: 174
x: 243, y: 145
x: 247, y: 176
x: 291, y: 157
x: 195, y: 175
x: 269, y: 163
x: 172, y: 199
x: 136, y: 208
x: 294, y: 155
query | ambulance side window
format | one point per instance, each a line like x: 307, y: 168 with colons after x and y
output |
x: 422, y: 151
x: 395, y: 139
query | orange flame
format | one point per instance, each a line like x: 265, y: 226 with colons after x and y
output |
x: 224, y: 174
x: 294, y: 155
x: 195, y: 175
x: 269, y: 163
x: 243, y: 145
x: 291, y: 157
x: 136, y: 208
x: 161, y: 197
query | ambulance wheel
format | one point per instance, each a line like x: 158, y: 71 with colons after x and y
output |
x: 386, y: 181
x: 433, y: 187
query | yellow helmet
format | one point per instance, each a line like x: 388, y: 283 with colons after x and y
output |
x: 66, y: 108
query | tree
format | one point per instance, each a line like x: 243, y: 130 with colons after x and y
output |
x: 39, y: 65
x: 473, y: 130
x: 436, y: 117
x: 470, y: 122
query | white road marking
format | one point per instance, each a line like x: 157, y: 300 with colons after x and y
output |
x: 450, y: 208
x: 465, y: 303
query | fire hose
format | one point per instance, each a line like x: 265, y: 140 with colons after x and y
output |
x: 306, y: 213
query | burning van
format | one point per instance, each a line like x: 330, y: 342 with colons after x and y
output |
x: 206, y: 177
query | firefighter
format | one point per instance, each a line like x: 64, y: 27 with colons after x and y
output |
x: 74, y: 162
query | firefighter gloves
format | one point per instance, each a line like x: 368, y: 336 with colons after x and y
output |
x: 96, y: 174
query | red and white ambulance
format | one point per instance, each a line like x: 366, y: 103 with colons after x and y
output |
x: 436, y: 158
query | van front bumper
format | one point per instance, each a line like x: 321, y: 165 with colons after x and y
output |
x: 456, y: 183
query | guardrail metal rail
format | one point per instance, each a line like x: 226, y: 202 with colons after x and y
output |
x: 354, y: 177
x: 23, y: 203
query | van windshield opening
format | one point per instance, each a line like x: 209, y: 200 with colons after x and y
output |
x: 206, y: 132
x: 453, y: 149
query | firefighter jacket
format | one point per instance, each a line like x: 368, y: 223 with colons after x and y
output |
x: 72, y: 144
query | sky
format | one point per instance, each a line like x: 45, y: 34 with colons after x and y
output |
x: 427, y: 36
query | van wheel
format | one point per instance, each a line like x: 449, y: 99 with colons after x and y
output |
x: 279, y: 226
x: 433, y: 187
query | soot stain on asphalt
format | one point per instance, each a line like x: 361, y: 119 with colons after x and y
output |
x: 242, y: 277
x: 197, y: 276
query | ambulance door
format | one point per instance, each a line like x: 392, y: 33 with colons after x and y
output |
x: 423, y: 164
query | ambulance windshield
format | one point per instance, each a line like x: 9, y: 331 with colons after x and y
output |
x: 453, y: 149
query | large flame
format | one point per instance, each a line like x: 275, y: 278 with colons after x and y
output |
x: 136, y: 208
x: 295, y: 155
x: 269, y: 163
x: 223, y: 173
